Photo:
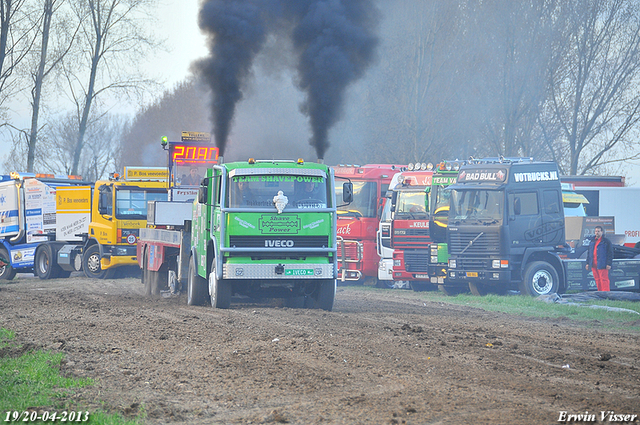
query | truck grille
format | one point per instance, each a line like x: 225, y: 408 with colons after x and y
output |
x: 279, y: 241
x: 488, y: 243
x: 416, y: 262
x: 352, y: 252
x: 473, y: 264
x: 413, y: 238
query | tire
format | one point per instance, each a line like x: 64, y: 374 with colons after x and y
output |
x: 154, y: 281
x: 196, y: 286
x: 144, y: 276
x: 386, y: 284
x: 219, y: 290
x: 540, y: 278
x: 478, y: 289
x: 450, y: 291
x: 158, y: 280
x: 294, y: 302
x: 420, y: 286
x: 91, y: 264
x: 6, y: 272
x: 44, y: 265
x: 326, y: 295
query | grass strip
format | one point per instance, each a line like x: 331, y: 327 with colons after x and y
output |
x: 30, y: 380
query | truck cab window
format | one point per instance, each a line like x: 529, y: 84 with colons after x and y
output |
x: 132, y: 204
x: 528, y: 203
x: 551, y: 203
x: 365, y: 195
x: 301, y: 192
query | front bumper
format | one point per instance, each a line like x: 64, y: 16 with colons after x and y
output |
x: 277, y: 271
x: 485, y: 276
x: 118, y: 255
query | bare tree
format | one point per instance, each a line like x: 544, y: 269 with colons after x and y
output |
x: 510, y: 44
x: 16, y: 39
x: 44, y: 67
x: 594, y: 103
x: 411, y: 98
x: 112, y: 42
x: 57, y: 143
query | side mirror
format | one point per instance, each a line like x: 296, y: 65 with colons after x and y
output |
x: 102, y: 209
x: 202, y: 193
x: 347, y: 192
x: 517, y: 208
x: 104, y: 201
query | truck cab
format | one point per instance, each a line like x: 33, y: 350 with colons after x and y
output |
x: 506, y: 227
x: 265, y: 229
x: 358, y: 221
x: 96, y: 227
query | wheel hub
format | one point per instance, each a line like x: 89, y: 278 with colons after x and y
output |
x: 94, y: 263
x: 542, y: 282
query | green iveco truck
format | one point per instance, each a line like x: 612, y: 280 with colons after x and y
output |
x: 263, y: 229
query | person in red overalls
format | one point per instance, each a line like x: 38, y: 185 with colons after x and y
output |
x: 600, y: 259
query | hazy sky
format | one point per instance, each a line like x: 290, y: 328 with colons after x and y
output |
x: 178, y: 24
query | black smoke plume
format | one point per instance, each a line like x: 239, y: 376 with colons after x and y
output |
x: 333, y: 39
x: 236, y: 34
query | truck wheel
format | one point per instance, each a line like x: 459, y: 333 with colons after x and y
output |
x: 91, y: 264
x: 450, y: 291
x: 295, y: 302
x: 44, y: 266
x: 219, y: 290
x: 478, y: 289
x: 386, y: 284
x: 156, y: 281
x: 326, y: 295
x: 540, y: 278
x: 196, y: 286
x: 6, y: 272
x: 144, y: 276
x: 420, y: 286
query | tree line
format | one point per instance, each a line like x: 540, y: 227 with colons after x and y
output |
x: 65, y: 58
x: 551, y: 79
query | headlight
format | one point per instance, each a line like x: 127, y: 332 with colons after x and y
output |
x: 121, y: 251
x: 452, y: 264
x: 495, y: 264
x: 434, y: 259
x: 397, y: 263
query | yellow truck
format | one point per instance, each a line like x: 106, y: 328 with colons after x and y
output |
x: 97, y: 227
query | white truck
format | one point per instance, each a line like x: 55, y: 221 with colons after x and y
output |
x: 28, y: 216
x: 622, y: 203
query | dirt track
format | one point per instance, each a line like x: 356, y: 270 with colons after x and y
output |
x: 381, y: 357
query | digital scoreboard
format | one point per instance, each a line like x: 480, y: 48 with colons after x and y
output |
x: 191, y: 153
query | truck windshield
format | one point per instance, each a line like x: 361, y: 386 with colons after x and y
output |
x: 477, y: 204
x: 132, y: 203
x: 256, y: 191
x: 442, y: 195
x: 365, y: 200
x: 412, y: 204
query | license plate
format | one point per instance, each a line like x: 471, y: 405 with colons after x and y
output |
x: 298, y: 272
x: 472, y: 274
x: 422, y: 276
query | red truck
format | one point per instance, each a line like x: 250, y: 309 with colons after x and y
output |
x: 420, y: 208
x: 358, y: 222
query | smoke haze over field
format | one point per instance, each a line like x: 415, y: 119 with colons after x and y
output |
x: 333, y: 43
